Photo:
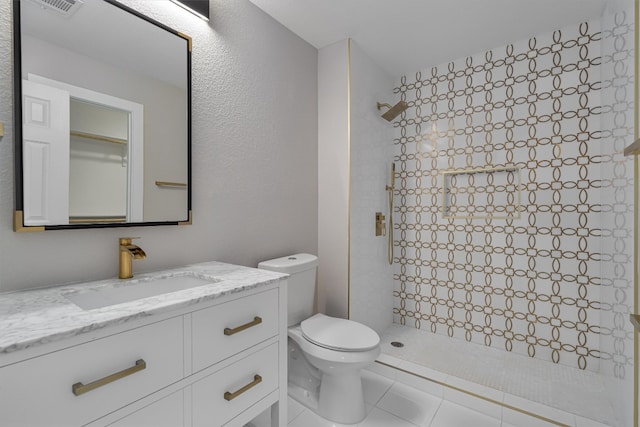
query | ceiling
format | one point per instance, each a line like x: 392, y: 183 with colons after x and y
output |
x: 404, y: 36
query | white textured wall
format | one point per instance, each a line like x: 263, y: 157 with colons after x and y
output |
x: 254, y: 156
x: 371, y: 277
x: 333, y: 188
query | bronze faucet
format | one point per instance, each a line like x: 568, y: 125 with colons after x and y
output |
x: 128, y: 252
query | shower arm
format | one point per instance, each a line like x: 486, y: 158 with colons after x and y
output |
x: 393, y: 111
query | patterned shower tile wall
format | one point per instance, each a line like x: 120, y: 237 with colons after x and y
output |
x: 526, y: 277
x: 618, y: 68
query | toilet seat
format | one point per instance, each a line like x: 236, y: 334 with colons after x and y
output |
x: 339, y: 334
x: 335, y: 357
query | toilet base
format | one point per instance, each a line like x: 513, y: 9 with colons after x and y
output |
x: 334, y: 407
x: 341, y: 398
x: 327, y: 381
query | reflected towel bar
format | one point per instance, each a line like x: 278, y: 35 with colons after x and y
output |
x: 96, y: 219
x: 101, y: 138
x: 170, y: 184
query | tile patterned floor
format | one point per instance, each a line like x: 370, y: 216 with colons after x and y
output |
x: 393, y: 403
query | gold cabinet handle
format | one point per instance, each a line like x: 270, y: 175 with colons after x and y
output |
x: 256, y: 321
x: 79, y: 388
x: 257, y: 379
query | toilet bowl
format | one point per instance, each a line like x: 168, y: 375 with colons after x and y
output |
x: 339, y: 349
x: 326, y: 354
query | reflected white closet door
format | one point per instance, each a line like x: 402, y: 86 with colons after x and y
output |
x: 45, y: 149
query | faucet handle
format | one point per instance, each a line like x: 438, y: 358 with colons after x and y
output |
x: 126, y: 240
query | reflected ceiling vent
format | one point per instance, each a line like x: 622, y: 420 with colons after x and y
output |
x: 64, y: 7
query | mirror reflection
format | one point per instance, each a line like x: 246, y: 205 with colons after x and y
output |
x: 98, y: 162
x: 105, y: 117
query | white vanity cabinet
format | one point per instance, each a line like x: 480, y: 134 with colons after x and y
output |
x: 166, y: 412
x: 226, y: 329
x: 214, y: 363
x: 224, y: 394
x: 39, y: 391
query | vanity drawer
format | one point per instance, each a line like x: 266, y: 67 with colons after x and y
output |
x: 133, y: 364
x: 247, y: 321
x: 225, y: 394
x: 166, y: 412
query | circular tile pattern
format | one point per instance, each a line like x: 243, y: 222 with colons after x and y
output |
x: 538, y: 260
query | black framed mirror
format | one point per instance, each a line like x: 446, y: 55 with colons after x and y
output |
x: 102, y: 117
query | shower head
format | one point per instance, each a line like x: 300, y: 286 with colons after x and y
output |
x: 394, y: 111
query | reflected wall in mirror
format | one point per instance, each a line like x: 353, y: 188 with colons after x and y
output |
x: 102, y: 117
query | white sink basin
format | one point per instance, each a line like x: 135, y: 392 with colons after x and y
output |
x: 121, y: 292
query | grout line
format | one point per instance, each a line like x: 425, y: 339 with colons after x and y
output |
x: 395, y: 416
x: 384, y: 394
x: 435, y: 414
x: 299, y: 413
x: 504, y: 405
x: 297, y: 416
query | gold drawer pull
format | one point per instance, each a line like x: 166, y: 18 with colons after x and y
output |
x: 257, y: 379
x: 256, y: 321
x: 79, y: 388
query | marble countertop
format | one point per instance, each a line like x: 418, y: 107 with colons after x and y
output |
x: 34, y: 317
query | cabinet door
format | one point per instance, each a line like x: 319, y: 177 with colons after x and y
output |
x: 225, y: 394
x: 166, y: 412
x: 44, y: 392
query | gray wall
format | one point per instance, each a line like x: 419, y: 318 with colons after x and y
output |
x: 254, y: 156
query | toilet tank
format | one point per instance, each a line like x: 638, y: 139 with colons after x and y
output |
x: 301, y: 289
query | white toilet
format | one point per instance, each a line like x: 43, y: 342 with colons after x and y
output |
x: 326, y: 354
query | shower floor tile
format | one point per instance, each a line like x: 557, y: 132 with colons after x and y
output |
x: 560, y: 393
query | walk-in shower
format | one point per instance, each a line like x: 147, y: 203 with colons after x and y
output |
x: 514, y: 232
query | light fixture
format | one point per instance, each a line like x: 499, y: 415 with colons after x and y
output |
x: 199, y: 8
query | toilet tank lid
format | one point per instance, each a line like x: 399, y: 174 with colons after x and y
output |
x: 290, y: 264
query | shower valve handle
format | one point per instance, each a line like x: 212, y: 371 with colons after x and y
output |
x: 381, y: 226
